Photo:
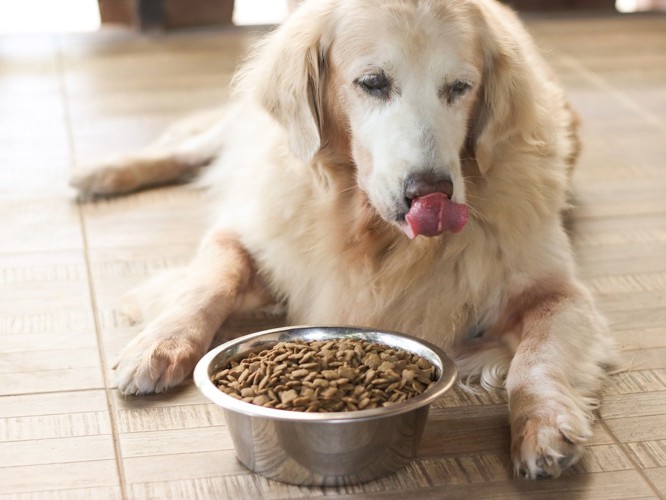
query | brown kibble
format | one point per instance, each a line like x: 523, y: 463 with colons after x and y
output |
x: 385, y: 366
x: 330, y: 376
x: 243, y: 375
x: 358, y: 349
x: 423, y: 363
x: 281, y: 357
x: 280, y: 368
x: 263, y: 382
x: 329, y: 393
x: 373, y: 361
x: 363, y: 403
x: 221, y: 375
x: 347, y: 372
x: 260, y: 400
x: 301, y: 401
x: 309, y: 393
x: 418, y: 386
x: 288, y: 396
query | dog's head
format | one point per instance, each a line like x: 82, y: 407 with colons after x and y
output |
x: 403, y: 89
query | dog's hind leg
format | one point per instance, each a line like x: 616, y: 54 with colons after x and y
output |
x: 219, y: 281
x: 177, y: 155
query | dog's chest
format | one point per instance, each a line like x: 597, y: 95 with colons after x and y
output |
x: 349, y: 288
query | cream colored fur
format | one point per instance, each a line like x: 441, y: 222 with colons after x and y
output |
x: 309, y: 172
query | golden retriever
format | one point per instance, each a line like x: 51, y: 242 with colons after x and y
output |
x: 397, y: 164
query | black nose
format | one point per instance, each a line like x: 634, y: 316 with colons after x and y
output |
x: 424, y: 183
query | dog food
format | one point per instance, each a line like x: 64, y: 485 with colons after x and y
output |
x: 327, y: 376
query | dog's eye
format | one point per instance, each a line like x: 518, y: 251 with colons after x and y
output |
x: 455, y: 90
x: 377, y: 85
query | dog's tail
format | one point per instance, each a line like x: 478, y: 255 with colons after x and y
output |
x: 177, y: 156
x: 486, y: 364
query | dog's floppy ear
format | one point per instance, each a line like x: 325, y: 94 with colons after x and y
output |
x: 285, y: 75
x: 506, y: 106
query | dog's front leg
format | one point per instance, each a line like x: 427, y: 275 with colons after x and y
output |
x: 555, y: 377
x: 220, y: 280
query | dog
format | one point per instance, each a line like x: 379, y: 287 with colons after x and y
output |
x: 395, y: 164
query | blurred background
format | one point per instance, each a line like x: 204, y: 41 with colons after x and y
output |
x: 31, y: 16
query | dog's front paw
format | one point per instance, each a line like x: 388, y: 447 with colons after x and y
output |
x: 548, y: 440
x: 105, y: 180
x: 156, y: 361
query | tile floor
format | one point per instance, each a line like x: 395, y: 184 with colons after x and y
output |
x: 65, y: 432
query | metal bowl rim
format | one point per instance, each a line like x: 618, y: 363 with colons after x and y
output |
x: 208, y: 388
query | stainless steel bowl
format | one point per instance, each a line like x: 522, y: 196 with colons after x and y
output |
x: 324, y: 449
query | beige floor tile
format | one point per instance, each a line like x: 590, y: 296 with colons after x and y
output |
x: 56, y: 451
x: 94, y: 493
x: 100, y: 474
x: 66, y: 377
x: 629, y: 429
x: 178, y: 441
x: 57, y: 441
x: 636, y: 382
x: 620, y: 485
x: 657, y: 477
x: 182, y: 466
x: 53, y: 403
x: 648, y: 454
x: 153, y: 218
x: 57, y: 415
x: 38, y: 221
x: 176, y: 416
x: 47, y: 295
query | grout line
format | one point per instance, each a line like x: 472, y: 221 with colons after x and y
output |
x: 64, y: 438
x: 89, y: 275
x: 73, y: 462
x: 631, y: 459
x: 50, y: 492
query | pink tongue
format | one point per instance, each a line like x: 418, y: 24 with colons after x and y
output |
x: 433, y: 214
